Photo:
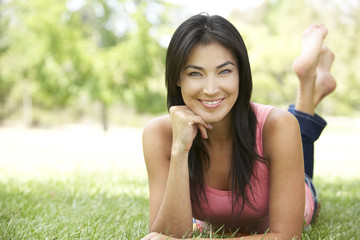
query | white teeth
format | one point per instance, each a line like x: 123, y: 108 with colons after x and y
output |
x: 212, y: 102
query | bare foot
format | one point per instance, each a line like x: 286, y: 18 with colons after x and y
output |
x: 312, y: 40
x: 305, y: 67
x: 324, y: 83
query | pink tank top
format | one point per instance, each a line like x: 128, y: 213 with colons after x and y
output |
x: 218, y: 209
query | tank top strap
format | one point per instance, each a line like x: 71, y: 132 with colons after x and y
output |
x: 261, y: 112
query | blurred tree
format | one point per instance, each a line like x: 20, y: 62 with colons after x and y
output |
x: 273, y: 43
x: 98, y: 24
x: 44, y: 58
x: 108, y: 50
x: 19, y: 58
x: 6, y: 83
x: 145, y: 57
x: 273, y: 36
x: 343, y: 38
x: 53, y: 53
x: 127, y: 53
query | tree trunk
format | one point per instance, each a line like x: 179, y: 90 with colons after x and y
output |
x: 104, y: 116
x: 27, y: 105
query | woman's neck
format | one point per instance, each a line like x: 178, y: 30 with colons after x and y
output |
x: 221, y: 134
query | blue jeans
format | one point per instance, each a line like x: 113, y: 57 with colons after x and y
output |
x: 310, y: 128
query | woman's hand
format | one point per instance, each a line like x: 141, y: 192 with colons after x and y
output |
x: 185, y: 125
x: 157, y: 236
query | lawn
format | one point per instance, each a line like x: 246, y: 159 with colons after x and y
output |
x: 80, y: 183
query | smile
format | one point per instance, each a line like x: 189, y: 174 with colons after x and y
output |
x: 211, y: 103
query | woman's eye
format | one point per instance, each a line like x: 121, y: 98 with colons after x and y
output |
x: 194, y: 74
x: 225, y: 71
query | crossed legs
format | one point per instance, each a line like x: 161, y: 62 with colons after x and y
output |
x: 312, y: 68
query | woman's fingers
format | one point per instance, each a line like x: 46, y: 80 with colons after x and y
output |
x: 201, y: 124
x: 185, y: 126
x: 156, y: 236
x: 203, y: 131
x: 203, y: 127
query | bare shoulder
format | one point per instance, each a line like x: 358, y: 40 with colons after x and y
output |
x: 157, y: 136
x: 281, y: 129
x: 160, y: 126
x: 280, y: 120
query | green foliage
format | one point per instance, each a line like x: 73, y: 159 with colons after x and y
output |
x: 273, y: 38
x: 55, y: 54
x: 150, y: 101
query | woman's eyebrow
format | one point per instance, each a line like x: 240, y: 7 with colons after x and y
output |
x: 200, y: 68
x: 224, y: 64
x: 193, y: 66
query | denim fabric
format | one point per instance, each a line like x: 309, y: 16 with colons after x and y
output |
x: 310, y: 128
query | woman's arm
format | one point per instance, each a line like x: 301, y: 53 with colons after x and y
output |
x: 283, y: 150
x: 169, y: 200
x: 166, y: 144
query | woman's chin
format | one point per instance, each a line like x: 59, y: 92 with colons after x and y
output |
x: 213, y: 119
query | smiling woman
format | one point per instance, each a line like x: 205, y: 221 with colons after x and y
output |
x: 221, y: 160
x: 210, y: 82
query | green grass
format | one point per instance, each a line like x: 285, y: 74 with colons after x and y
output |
x: 340, y: 210
x: 80, y: 184
x: 75, y: 206
x: 114, y: 205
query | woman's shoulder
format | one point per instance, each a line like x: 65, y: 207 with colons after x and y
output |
x: 157, y: 133
x: 272, y: 116
x: 280, y: 122
x: 280, y: 126
x: 280, y: 118
x: 159, y: 126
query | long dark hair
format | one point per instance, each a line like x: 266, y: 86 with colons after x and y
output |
x: 205, y: 29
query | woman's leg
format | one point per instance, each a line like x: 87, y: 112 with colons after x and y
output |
x: 312, y: 67
x: 311, y: 127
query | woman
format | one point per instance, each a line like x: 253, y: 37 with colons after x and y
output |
x: 221, y: 159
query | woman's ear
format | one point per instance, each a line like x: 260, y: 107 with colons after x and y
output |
x: 178, y: 83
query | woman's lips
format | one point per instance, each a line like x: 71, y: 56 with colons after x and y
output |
x: 211, y: 103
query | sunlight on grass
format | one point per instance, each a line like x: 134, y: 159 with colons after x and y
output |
x: 340, y: 208
x: 98, y: 205
x: 72, y: 184
x: 81, y: 183
x: 336, y: 151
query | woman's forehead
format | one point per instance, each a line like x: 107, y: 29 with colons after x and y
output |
x: 212, y: 54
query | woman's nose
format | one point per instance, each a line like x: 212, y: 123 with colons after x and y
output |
x: 211, y: 86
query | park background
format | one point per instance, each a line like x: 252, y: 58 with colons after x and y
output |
x: 79, y: 79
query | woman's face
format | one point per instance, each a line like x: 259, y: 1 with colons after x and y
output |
x: 209, y: 81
